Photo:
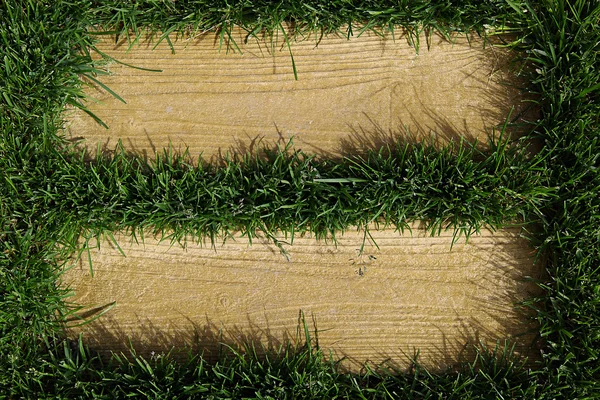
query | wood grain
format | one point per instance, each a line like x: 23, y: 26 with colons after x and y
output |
x: 350, y: 94
x: 411, y: 293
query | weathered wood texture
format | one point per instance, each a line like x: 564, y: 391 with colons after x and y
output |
x: 350, y: 94
x: 412, y: 293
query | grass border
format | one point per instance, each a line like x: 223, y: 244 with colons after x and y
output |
x: 43, y: 54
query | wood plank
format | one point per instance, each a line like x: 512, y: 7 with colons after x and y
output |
x: 350, y: 94
x: 410, y: 293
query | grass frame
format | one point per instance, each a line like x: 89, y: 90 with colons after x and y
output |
x: 43, y: 54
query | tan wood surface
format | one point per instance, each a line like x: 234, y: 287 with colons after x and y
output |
x: 411, y: 294
x: 350, y: 94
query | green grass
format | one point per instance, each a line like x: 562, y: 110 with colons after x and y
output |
x: 51, y: 195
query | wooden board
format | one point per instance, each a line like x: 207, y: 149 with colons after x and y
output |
x: 350, y: 95
x: 411, y: 293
